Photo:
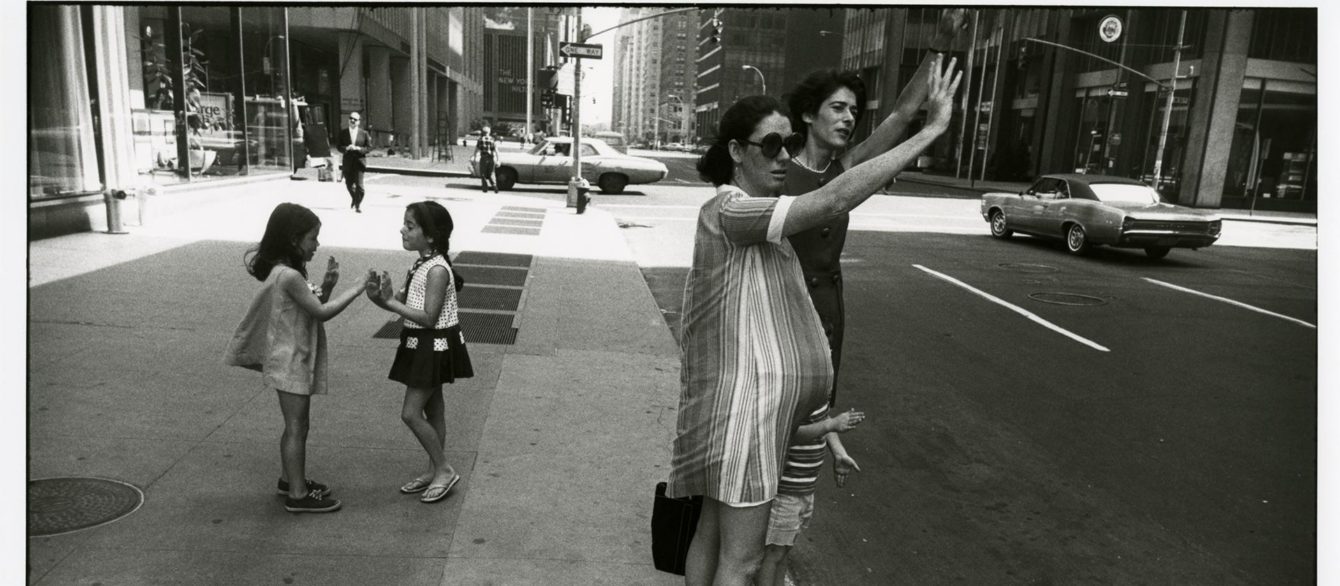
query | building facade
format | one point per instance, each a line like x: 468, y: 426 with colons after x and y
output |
x: 127, y: 96
x: 750, y: 51
x: 504, y: 55
x: 1049, y: 90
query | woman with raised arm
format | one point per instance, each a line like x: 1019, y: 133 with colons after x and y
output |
x: 754, y: 352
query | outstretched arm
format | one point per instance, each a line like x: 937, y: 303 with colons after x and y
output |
x: 911, y: 98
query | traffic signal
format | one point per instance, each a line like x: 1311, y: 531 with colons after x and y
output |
x: 716, y: 31
x: 547, y: 99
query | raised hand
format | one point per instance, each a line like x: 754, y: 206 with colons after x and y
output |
x: 842, y: 466
x: 332, y: 274
x: 387, y: 287
x: 372, y: 286
x: 952, y: 22
x: 941, y: 90
x: 847, y: 420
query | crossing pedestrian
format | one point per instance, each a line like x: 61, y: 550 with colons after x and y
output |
x: 354, y: 143
x: 283, y: 337
x: 432, y: 347
x: 487, y: 149
x: 755, y: 355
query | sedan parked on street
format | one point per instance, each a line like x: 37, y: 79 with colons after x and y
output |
x: 1088, y: 210
x: 550, y: 161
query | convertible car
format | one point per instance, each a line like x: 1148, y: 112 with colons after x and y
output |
x: 1088, y: 210
x: 550, y: 161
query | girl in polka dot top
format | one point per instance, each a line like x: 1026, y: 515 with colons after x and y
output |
x: 432, y: 348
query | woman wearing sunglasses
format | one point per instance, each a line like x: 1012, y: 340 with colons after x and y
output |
x: 754, y: 352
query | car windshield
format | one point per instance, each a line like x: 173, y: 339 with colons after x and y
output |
x: 1124, y: 193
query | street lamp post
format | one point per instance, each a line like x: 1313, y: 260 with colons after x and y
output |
x: 761, y: 81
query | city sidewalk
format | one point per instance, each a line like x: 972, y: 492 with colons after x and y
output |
x: 968, y: 184
x: 560, y: 437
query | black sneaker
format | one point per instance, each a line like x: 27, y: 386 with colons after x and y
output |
x: 312, y: 503
x: 312, y: 486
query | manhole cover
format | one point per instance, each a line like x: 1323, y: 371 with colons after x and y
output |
x: 1028, y: 268
x: 1066, y: 298
x: 62, y: 505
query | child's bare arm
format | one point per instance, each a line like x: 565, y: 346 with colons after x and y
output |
x: 843, y: 463
x: 296, y: 288
x: 841, y: 423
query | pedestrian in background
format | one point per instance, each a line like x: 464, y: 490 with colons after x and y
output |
x: 432, y: 347
x: 487, y: 150
x: 283, y: 337
x: 317, y: 143
x: 354, y: 143
x: 755, y: 359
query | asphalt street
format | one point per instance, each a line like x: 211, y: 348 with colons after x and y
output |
x: 1036, y: 417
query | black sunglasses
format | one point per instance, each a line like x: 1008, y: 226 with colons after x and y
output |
x: 773, y: 143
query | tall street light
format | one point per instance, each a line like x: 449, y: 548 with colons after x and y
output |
x: 760, y: 77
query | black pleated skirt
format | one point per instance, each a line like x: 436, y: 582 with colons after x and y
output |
x: 425, y: 367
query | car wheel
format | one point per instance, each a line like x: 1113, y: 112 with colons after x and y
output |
x: 1157, y: 251
x: 612, y: 183
x: 1076, y: 241
x: 999, y: 228
x: 506, y: 178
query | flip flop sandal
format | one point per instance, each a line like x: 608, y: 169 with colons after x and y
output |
x: 416, y: 485
x: 430, y: 497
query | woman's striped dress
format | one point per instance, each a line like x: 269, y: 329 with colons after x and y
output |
x: 755, y: 359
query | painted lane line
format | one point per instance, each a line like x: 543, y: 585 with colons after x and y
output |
x: 1230, y: 302
x: 1019, y: 310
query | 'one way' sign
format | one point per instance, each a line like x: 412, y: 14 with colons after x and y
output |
x: 580, y: 50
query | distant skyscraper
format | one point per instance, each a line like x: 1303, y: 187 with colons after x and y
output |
x: 780, y: 46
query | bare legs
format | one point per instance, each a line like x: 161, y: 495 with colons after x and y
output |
x: 727, y: 548
x: 293, y: 443
x: 425, y: 413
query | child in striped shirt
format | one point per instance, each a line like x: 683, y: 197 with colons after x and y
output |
x: 794, y: 504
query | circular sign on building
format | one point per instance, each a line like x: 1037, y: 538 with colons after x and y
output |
x: 1109, y: 29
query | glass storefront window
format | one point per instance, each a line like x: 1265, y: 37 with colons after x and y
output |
x: 1270, y: 158
x: 213, y: 132
x: 62, y: 156
x: 152, y: 97
x: 1175, y: 144
x: 268, y: 100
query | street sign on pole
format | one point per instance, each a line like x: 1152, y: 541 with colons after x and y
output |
x: 580, y: 50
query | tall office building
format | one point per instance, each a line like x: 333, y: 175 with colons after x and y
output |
x: 1241, y: 121
x: 748, y: 51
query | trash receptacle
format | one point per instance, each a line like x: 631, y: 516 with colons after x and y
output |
x: 112, y: 199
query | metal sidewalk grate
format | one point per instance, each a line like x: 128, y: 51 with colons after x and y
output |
x: 490, y: 229
x: 489, y: 298
x: 497, y: 259
x: 493, y: 276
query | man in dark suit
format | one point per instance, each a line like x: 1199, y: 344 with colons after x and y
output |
x: 354, y: 142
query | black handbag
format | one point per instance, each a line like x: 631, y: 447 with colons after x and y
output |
x: 673, y: 521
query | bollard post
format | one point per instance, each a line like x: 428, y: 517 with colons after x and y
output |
x: 112, y: 199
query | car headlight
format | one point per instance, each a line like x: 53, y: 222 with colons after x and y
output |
x: 1214, y: 227
x: 1127, y: 224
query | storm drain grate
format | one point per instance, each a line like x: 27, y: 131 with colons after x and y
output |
x: 501, y: 221
x: 522, y: 209
x: 1067, y: 299
x: 497, y: 259
x: 63, y: 505
x: 479, y: 328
